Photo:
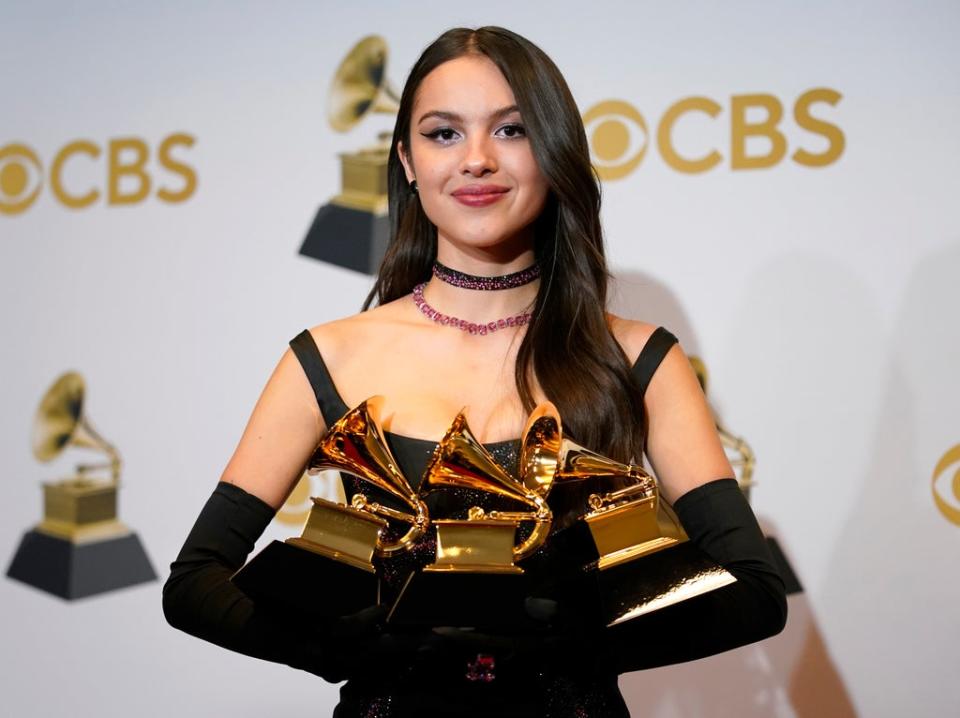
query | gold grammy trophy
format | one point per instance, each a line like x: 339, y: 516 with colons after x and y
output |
x: 355, y: 444
x: 80, y: 548
x: 624, y: 537
x: 474, y: 578
x: 353, y: 229
x: 328, y: 569
x: 484, y: 542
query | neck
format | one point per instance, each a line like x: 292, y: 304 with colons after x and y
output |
x: 510, y: 255
x: 480, y: 305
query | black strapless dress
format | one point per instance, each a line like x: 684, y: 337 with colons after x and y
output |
x: 528, y: 674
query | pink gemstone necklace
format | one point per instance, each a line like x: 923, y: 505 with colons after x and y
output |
x: 440, y: 318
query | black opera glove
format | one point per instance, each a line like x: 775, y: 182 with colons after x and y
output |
x: 719, y: 521
x: 200, y: 599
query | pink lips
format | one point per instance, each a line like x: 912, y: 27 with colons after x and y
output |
x: 480, y: 195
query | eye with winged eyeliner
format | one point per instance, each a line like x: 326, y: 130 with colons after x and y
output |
x: 446, y: 134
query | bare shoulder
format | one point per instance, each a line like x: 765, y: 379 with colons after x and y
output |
x: 674, y: 371
x: 631, y: 334
x: 343, y: 336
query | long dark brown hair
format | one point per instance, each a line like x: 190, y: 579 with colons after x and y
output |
x: 568, y: 345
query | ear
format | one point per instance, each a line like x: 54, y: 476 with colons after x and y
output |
x: 405, y: 161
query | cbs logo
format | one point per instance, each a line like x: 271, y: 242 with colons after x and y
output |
x: 946, y: 485
x: 124, y: 165
x: 617, y: 150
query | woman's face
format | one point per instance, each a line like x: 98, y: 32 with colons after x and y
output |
x: 476, y: 175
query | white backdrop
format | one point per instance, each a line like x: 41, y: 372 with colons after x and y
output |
x: 824, y: 300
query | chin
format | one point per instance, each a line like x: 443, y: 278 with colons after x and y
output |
x: 488, y: 238
x: 484, y: 241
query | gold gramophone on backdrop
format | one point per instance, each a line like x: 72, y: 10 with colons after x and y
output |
x: 352, y: 230
x: 639, y: 553
x: 80, y: 547
x: 329, y: 568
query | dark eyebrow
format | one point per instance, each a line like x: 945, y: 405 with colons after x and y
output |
x: 454, y: 117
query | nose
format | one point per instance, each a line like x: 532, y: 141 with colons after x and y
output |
x: 479, y: 158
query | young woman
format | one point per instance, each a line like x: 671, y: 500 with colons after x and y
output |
x: 492, y: 296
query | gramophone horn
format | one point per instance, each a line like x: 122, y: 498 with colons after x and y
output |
x: 460, y: 461
x: 540, y: 448
x: 360, y: 85
x: 546, y: 456
x: 355, y: 444
x: 60, y: 422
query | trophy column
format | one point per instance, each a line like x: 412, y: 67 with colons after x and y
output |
x: 353, y: 229
x: 80, y: 548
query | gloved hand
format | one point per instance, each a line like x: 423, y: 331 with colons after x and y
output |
x: 362, y: 646
x: 200, y: 599
x: 719, y: 522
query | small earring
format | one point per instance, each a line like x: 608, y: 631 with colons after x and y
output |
x: 413, y: 187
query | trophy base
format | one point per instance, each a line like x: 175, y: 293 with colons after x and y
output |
x: 630, y: 553
x: 332, y: 554
x: 351, y: 238
x: 470, y: 568
x: 616, y: 588
x: 82, y: 533
x: 456, y: 598
x: 288, y: 576
x: 657, y: 580
x: 74, y: 570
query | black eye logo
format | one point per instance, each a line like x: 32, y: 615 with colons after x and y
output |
x: 21, y: 178
x: 615, y: 148
x: 946, y: 485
